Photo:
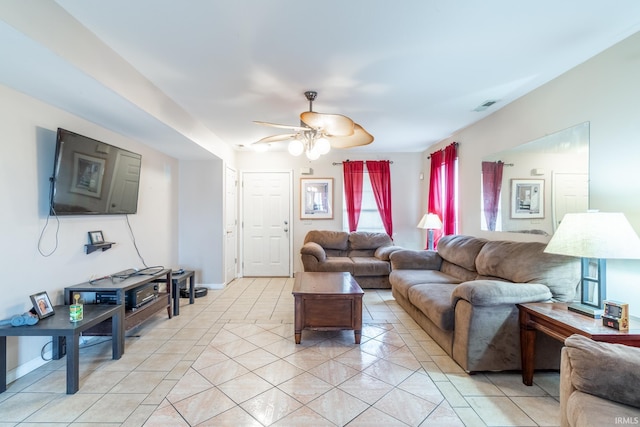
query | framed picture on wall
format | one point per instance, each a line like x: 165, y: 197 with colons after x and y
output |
x: 316, y: 198
x: 527, y: 198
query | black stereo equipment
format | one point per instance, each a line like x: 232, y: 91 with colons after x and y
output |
x: 106, y: 298
x: 138, y: 297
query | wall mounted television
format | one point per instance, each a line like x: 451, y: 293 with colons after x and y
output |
x: 91, y: 177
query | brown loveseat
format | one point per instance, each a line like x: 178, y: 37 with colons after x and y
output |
x: 364, y: 255
x: 465, y: 294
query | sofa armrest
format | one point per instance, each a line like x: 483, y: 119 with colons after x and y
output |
x: 314, y: 249
x: 495, y: 292
x: 609, y: 371
x: 406, y: 259
x: 384, y: 252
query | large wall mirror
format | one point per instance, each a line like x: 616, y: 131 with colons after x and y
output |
x: 529, y: 188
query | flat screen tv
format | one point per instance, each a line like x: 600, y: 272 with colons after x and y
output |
x: 91, y: 177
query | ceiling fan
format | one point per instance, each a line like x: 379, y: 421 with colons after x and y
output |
x: 318, y: 132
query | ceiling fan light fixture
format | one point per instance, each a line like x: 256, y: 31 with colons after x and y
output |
x: 296, y: 147
x: 313, y: 153
x: 322, y: 145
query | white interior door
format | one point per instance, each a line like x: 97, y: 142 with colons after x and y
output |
x: 231, y: 225
x: 570, y: 195
x: 266, y: 220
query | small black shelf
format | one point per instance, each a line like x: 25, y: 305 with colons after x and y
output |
x: 98, y: 246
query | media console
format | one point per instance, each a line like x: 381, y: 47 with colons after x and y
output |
x: 138, y: 294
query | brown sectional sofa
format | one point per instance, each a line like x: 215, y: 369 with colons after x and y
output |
x: 464, y: 296
x: 364, y: 255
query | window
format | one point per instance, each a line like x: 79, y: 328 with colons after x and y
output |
x: 369, y: 216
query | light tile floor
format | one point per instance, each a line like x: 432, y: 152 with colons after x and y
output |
x: 230, y: 360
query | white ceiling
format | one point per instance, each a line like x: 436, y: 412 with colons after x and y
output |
x: 410, y: 72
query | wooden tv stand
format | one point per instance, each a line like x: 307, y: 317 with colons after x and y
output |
x: 117, y: 288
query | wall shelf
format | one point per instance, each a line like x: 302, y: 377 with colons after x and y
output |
x: 98, y: 247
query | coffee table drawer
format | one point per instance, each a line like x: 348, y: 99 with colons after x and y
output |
x: 328, y: 313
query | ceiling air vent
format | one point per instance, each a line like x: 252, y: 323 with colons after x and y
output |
x: 485, y: 105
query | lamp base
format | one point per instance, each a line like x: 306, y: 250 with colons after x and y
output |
x: 586, y: 310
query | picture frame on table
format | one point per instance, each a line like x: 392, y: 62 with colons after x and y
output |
x: 316, y: 198
x: 42, y: 304
x: 527, y: 198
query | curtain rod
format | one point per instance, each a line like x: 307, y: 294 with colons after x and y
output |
x: 505, y: 164
x: 339, y: 163
x: 455, y: 144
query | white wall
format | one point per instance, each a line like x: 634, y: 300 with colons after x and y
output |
x: 405, y: 190
x: 201, y: 220
x: 27, y: 144
x: 603, y: 91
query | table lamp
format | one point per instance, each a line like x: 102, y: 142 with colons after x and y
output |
x: 430, y: 222
x: 594, y: 237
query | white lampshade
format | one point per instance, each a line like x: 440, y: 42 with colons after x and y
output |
x: 430, y: 221
x: 296, y: 147
x: 595, y: 235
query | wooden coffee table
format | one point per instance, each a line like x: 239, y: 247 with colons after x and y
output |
x: 327, y: 301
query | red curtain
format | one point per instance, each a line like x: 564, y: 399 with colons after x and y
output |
x: 442, y: 189
x: 449, y: 225
x: 435, y: 191
x: 491, y: 187
x: 380, y: 177
x: 352, y: 171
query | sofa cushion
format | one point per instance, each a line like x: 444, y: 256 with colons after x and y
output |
x: 610, y: 371
x: 434, y: 301
x: 370, y: 266
x: 461, y: 250
x: 336, y: 264
x: 402, y: 280
x: 526, y: 262
x: 405, y: 259
x: 359, y: 240
x: 338, y: 240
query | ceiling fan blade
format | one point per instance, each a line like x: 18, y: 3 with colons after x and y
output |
x: 332, y: 124
x: 359, y: 137
x: 276, y: 138
x: 275, y: 125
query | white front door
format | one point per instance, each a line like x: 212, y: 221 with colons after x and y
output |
x: 231, y: 225
x: 266, y: 223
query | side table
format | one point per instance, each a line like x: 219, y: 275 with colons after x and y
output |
x: 176, y: 283
x: 59, y: 325
x: 557, y: 321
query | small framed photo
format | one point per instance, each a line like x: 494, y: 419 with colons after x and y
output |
x: 95, y: 237
x: 42, y: 304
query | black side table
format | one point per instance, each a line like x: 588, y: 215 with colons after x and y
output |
x: 176, y: 282
x: 59, y: 325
